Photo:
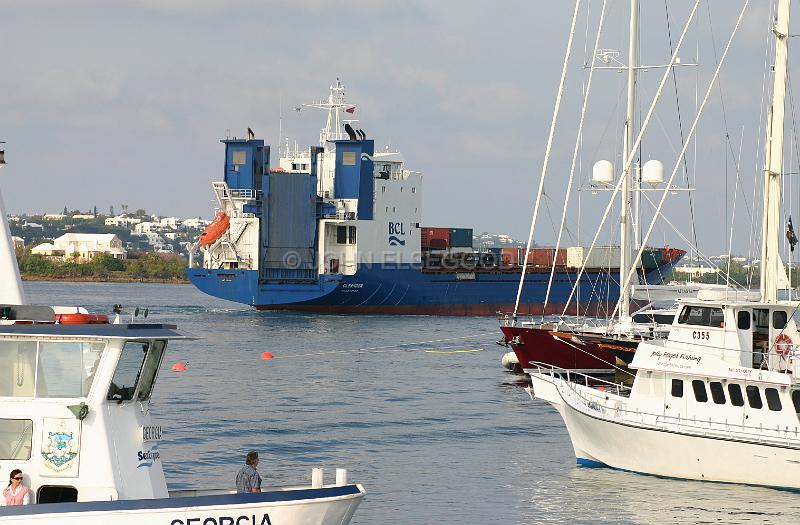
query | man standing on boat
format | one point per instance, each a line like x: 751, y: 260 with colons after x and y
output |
x: 248, y: 479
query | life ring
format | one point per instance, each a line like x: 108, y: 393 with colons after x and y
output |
x: 783, y: 344
x: 78, y: 318
x: 214, y: 231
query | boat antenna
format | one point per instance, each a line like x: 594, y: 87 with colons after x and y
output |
x: 334, y: 105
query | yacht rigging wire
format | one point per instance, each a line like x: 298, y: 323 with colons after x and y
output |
x: 578, y: 140
x: 546, y: 161
x: 635, y: 146
x: 664, y: 194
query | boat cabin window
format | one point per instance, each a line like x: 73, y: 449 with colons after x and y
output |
x: 796, y: 400
x: 16, y: 439
x: 754, y: 397
x: 702, y: 316
x: 699, y: 388
x: 743, y: 320
x: 150, y: 369
x: 717, y: 392
x: 66, y: 369
x: 779, y: 319
x: 773, y: 399
x: 735, y: 393
x: 341, y: 235
x: 128, y: 372
x: 677, y: 388
x: 56, y: 494
x: 48, y: 368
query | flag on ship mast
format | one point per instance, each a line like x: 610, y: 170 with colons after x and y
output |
x: 351, y: 109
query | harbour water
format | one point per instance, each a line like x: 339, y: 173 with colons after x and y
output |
x: 416, y: 408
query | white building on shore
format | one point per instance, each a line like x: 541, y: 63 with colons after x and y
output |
x: 82, y: 246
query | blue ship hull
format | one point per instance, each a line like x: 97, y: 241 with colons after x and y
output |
x: 407, y: 289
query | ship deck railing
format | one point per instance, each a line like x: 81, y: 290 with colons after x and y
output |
x: 591, y: 394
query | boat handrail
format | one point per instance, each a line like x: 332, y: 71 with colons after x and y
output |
x: 572, y: 375
x: 758, y: 433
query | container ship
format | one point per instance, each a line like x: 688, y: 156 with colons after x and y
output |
x: 337, y: 228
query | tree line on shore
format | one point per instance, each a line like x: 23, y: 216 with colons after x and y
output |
x: 168, y: 266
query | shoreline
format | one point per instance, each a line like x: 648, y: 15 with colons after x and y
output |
x: 106, y: 279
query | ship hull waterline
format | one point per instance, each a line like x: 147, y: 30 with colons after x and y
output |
x: 409, y: 291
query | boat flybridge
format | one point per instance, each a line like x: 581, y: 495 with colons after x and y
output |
x: 75, y: 401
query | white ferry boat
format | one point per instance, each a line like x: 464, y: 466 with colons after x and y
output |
x: 75, y: 418
x: 719, y: 399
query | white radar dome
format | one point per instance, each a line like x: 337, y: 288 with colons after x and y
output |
x: 653, y: 172
x: 603, y: 172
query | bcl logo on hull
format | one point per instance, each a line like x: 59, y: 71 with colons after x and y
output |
x: 395, y: 229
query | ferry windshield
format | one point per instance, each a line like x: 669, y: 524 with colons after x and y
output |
x: 137, y: 367
x: 48, y: 369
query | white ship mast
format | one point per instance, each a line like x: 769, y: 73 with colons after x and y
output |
x: 773, y: 161
x: 626, y: 237
x: 11, y: 292
x: 335, y: 105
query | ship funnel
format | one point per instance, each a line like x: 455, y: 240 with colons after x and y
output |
x: 603, y: 172
x: 350, y: 131
x: 10, y: 282
x: 653, y: 172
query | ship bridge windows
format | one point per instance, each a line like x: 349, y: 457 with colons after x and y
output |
x: 16, y: 439
x: 48, y: 369
x: 796, y: 400
x: 717, y: 392
x: 702, y: 316
x: 345, y: 235
x: 137, y: 367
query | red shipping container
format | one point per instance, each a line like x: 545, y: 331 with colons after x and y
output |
x: 561, y: 257
x: 544, y: 256
x: 510, y: 256
x: 438, y: 238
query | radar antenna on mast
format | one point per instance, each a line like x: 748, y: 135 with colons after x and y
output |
x: 334, y: 105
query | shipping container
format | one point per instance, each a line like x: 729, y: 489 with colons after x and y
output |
x: 510, y: 256
x: 601, y: 257
x: 436, y: 238
x: 461, y: 237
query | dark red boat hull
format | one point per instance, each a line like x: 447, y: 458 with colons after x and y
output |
x: 540, y: 346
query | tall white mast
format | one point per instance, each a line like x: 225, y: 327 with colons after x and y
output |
x: 773, y: 161
x: 625, y: 242
x: 334, y: 105
x: 10, y: 283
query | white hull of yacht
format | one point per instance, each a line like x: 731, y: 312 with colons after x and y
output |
x: 304, y: 507
x: 605, y: 441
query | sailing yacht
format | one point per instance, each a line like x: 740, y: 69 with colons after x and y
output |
x: 719, y: 399
x: 600, y: 346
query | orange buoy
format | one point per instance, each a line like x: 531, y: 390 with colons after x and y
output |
x: 78, y: 318
x: 179, y: 367
x: 214, y: 231
x: 266, y: 355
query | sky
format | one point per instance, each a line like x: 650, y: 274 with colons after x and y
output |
x: 112, y: 103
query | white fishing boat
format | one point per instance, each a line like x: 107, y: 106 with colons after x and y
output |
x: 718, y: 399
x: 75, y: 418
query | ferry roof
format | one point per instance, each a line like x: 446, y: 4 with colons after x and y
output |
x: 104, y: 331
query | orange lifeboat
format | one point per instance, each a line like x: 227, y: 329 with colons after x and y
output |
x: 214, y: 231
x: 78, y: 318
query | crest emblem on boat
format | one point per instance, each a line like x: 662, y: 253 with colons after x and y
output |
x: 59, y: 450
